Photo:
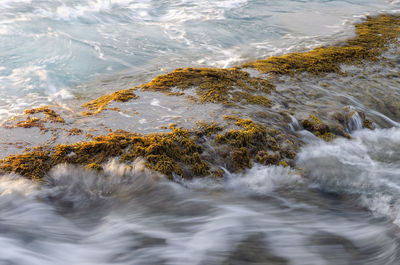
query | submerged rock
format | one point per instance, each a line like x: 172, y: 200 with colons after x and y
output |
x: 373, y: 37
x: 252, y: 115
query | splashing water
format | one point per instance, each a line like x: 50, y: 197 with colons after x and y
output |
x: 342, y: 207
x: 267, y: 215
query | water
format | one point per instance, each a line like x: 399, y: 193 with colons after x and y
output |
x: 341, y: 206
x: 345, y: 212
x: 48, y: 48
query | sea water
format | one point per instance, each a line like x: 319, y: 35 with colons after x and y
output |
x: 48, y: 48
x: 341, y: 206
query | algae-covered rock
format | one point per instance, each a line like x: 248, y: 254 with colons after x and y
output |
x: 373, y: 37
x: 340, y: 123
x: 167, y: 153
x: 255, y: 142
x: 99, y: 104
x: 33, y: 164
x: 50, y: 114
x: 234, y: 142
x: 178, y: 152
x: 319, y: 129
x: 36, y: 117
x: 215, y: 85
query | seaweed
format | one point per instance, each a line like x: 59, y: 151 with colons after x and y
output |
x: 207, y: 128
x: 254, y: 141
x: 232, y: 85
x: 50, y: 114
x: 100, y: 104
x: 74, y: 131
x: 178, y: 152
x: 29, y: 122
x: 214, y: 85
x: 33, y: 164
x: 372, y: 39
x: 318, y: 128
x: 181, y: 151
x: 95, y: 166
x: 163, y: 152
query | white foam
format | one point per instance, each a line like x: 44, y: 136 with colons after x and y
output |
x: 262, y: 180
x: 259, y: 180
x: 368, y: 166
x: 130, y: 215
x: 63, y: 94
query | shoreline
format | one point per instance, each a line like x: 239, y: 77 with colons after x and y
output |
x: 234, y: 142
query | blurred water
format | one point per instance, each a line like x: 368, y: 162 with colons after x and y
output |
x: 344, y: 212
x: 49, y: 47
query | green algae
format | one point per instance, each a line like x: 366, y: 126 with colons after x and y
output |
x: 372, y: 38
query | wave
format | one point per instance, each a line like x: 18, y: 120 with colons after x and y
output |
x: 366, y: 166
x: 129, y: 215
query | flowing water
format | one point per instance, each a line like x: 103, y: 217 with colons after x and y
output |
x: 49, y: 48
x: 342, y: 206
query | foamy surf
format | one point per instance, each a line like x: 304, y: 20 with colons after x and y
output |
x: 132, y: 216
x: 366, y: 166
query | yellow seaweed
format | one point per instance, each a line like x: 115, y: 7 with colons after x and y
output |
x: 372, y: 38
